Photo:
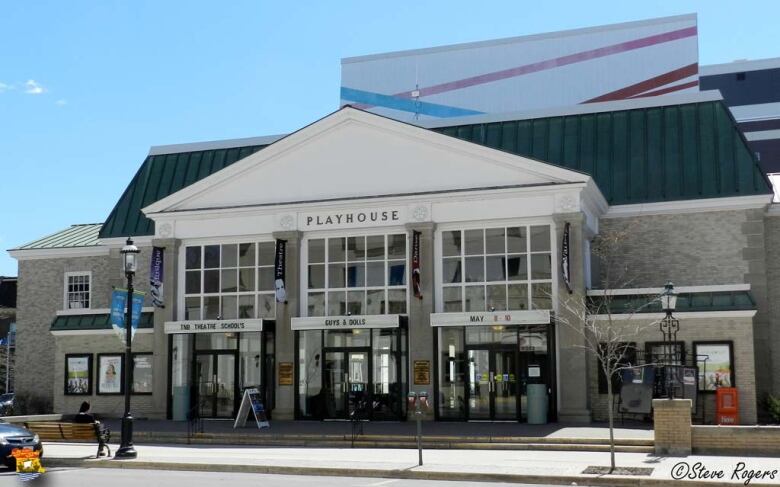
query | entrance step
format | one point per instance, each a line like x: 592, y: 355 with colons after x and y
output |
x: 402, y: 441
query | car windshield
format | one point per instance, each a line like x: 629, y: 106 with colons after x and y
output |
x: 6, y: 397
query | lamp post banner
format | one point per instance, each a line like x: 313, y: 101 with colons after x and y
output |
x: 119, y: 308
x: 279, y: 270
x: 156, y: 277
x: 565, y: 263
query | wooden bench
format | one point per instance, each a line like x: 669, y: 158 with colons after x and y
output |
x: 55, y: 431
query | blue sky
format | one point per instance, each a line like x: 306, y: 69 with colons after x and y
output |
x: 87, y: 87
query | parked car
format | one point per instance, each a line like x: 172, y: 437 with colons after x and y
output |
x: 12, y: 436
x: 7, y: 404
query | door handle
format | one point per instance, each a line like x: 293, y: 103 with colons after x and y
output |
x: 491, y: 383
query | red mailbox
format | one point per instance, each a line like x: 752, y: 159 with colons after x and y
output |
x: 726, y: 405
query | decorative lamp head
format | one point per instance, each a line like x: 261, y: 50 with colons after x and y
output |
x: 669, y: 298
x: 129, y: 256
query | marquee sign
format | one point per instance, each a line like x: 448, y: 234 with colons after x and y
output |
x: 213, y: 326
x: 526, y: 317
x: 346, y: 322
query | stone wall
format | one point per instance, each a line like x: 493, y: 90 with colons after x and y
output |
x: 739, y: 330
x: 41, y: 288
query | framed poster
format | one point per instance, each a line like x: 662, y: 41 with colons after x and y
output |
x: 285, y: 373
x: 141, y: 374
x: 422, y: 372
x: 110, y: 373
x: 78, y: 374
x: 715, y: 361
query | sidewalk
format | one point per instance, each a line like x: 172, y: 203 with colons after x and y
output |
x: 467, y: 465
x: 631, y: 430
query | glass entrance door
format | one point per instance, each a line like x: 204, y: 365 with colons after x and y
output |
x: 504, y: 385
x: 346, y: 382
x: 492, y: 384
x: 215, y: 376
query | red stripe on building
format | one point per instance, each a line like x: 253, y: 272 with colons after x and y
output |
x: 668, y: 89
x: 648, y: 84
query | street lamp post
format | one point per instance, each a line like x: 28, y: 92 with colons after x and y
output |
x: 669, y: 327
x: 129, y: 261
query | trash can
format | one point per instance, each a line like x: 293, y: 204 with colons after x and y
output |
x: 181, y: 403
x: 537, y: 403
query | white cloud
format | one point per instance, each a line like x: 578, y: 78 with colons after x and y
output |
x: 31, y: 87
x: 61, y: 102
x: 5, y: 87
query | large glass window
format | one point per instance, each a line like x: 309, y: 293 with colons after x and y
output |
x: 494, y: 269
x: 360, y: 275
x: 229, y: 281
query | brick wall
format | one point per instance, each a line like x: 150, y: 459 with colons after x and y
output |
x: 736, y: 440
x: 672, y: 425
x: 41, y: 294
x: 711, y: 248
x: 690, y: 248
x: 773, y: 296
x: 102, y: 405
x: 739, y: 330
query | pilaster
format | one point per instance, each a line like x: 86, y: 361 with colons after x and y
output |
x: 421, y: 334
x: 284, y: 347
x: 573, y: 400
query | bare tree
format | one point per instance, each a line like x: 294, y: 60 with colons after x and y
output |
x: 606, y: 326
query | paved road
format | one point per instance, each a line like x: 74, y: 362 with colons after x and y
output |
x: 61, y: 477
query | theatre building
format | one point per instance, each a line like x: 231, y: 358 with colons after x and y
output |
x: 361, y: 257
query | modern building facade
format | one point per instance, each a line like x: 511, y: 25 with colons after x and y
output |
x: 438, y: 256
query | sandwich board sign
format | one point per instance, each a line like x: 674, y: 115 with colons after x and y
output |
x: 252, y: 401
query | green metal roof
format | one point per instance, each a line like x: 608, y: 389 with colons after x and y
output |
x: 93, y: 322
x: 74, y: 236
x: 160, y: 176
x: 642, y: 155
x: 686, y: 302
x: 666, y: 153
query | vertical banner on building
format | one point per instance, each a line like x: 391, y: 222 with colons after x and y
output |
x: 119, y: 309
x: 416, y: 264
x: 279, y: 270
x: 565, y: 265
x: 156, y: 277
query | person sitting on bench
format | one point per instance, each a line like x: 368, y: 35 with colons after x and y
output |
x: 83, y: 416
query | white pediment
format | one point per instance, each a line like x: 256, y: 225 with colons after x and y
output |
x: 352, y: 153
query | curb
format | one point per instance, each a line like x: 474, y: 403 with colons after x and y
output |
x: 590, y: 480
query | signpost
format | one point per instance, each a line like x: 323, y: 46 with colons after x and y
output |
x: 253, y: 401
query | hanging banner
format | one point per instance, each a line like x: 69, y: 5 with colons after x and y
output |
x: 565, y: 266
x: 156, y: 277
x: 416, y: 264
x: 119, y: 309
x: 279, y: 269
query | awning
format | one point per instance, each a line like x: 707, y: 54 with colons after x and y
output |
x: 521, y: 317
x: 213, y: 326
x: 92, y: 322
x: 346, y: 322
